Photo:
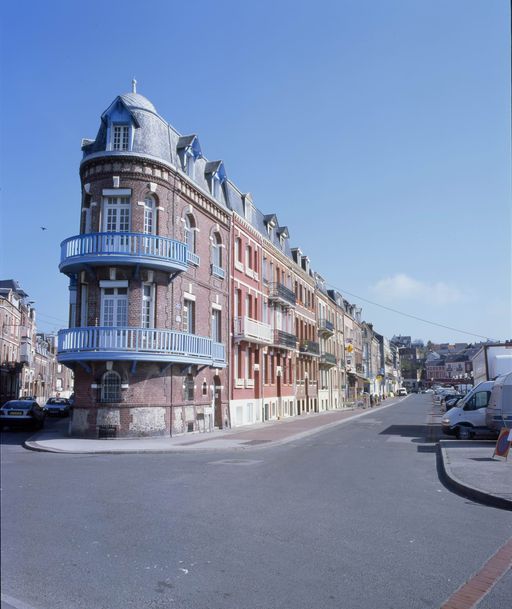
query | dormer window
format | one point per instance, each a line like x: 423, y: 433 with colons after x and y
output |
x: 120, y: 137
x: 216, y: 176
x: 270, y: 230
x: 190, y: 161
x: 215, y: 186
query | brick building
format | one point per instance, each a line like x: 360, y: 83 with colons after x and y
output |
x: 149, y: 276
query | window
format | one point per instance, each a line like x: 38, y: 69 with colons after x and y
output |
x: 116, y: 214
x: 189, y: 315
x: 120, y: 137
x: 190, y: 161
x: 188, y: 387
x: 217, y: 250
x: 111, y: 387
x: 190, y: 232
x: 148, y: 305
x: 216, y: 326
x: 238, y: 250
x: 248, y: 256
x: 204, y: 389
x: 215, y: 186
x: 114, y: 307
x: 149, y: 215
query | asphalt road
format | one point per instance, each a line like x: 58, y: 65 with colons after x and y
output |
x: 352, y: 517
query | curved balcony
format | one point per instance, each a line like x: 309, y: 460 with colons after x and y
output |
x: 138, y: 344
x: 122, y: 249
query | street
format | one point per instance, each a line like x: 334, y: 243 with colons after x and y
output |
x: 354, y: 517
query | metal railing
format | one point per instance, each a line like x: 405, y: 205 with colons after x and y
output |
x: 82, y: 343
x: 309, y: 347
x: 280, y: 292
x: 327, y: 359
x: 285, y: 339
x: 325, y: 326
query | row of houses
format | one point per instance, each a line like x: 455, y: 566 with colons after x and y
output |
x: 189, y: 308
x: 28, y: 359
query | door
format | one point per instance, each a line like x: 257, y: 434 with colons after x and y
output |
x: 219, y: 418
x: 114, y: 307
x: 116, y: 219
x: 114, y: 314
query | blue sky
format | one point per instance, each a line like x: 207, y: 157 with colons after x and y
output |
x: 378, y: 132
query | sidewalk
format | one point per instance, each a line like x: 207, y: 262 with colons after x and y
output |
x: 240, y: 438
x: 469, y: 468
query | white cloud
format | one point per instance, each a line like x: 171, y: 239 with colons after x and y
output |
x: 401, y: 287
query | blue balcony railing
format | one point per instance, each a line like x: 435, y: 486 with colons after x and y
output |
x: 193, y: 258
x: 151, y: 251
x: 217, y: 271
x: 145, y: 344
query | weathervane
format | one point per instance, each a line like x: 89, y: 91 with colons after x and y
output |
x: 134, y: 86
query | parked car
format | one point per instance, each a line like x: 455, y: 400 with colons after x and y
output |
x: 17, y: 413
x: 450, y: 401
x: 58, y: 407
x: 402, y: 391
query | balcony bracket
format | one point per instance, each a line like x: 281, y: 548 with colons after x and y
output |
x: 133, y: 367
x: 187, y: 369
x: 136, y: 271
x: 201, y: 368
x: 85, y: 366
x: 172, y: 276
x: 90, y: 272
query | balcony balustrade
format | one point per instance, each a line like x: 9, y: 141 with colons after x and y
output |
x: 309, y: 347
x: 325, y: 327
x: 122, y: 249
x: 327, y: 359
x: 252, y: 330
x: 138, y: 344
x: 193, y: 258
x: 285, y: 339
x: 280, y: 293
x: 217, y: 271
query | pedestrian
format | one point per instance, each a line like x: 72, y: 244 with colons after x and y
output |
x: 371, y: 400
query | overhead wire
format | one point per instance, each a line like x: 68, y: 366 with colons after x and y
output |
x: 427, y: 321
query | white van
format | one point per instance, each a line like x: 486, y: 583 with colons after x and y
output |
x: 499, y: 411
x: 468, y: 416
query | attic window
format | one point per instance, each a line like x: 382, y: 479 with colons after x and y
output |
x: 120, y: 137
x: 215, y: 186
x: 190, y: 160
x: 270, y: 229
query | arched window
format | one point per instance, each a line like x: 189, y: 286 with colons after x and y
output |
x: 111, y: 387
x: 149, y: 215
x: 217, y: 250
x: 190, y: 233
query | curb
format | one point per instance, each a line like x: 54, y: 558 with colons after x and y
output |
x: 34, y: 446
x: 464, y: 489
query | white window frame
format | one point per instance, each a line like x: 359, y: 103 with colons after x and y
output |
x: 151, y: 300
x: 150, y: 212
x: 120, y: 142
x: 189, y: 315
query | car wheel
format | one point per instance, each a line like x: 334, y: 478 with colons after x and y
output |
x: 463, y: 432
